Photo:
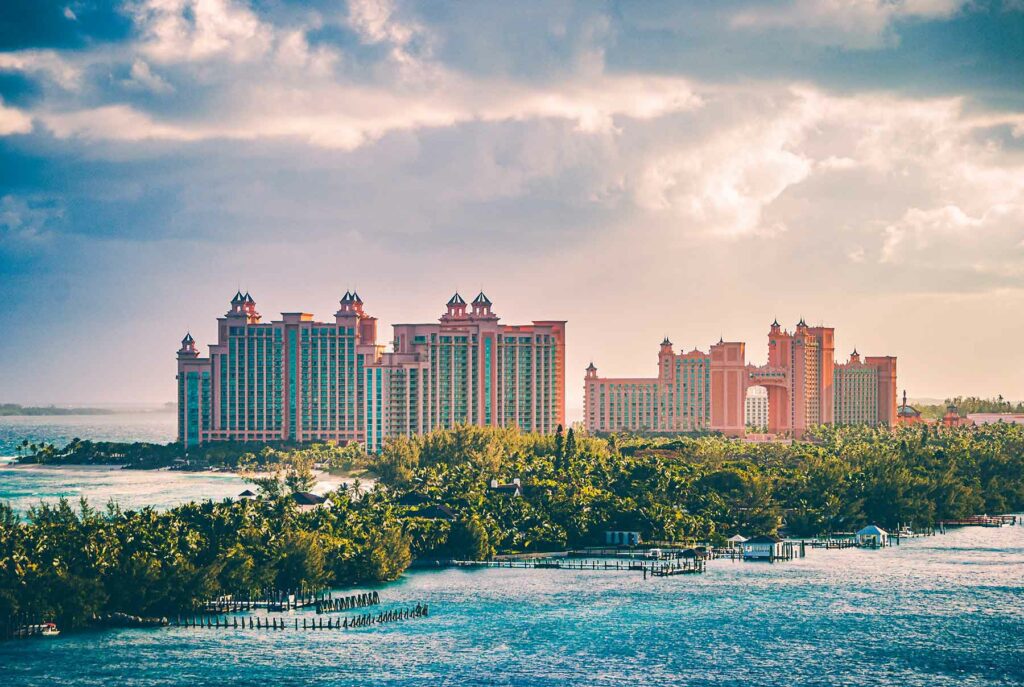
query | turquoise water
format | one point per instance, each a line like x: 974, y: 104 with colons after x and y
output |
x: 27, y: 485
x: 946, y: 610
x: 157, y: 428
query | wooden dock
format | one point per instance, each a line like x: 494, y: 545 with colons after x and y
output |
x: 273, y: 623
x: 282, y: 602
x: 981, y: 521
x: 652, y: 567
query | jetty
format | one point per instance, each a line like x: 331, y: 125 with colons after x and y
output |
x: 653, y: 567
x: 980, y: 521
x: 274, y: 623
x: 283, y: 601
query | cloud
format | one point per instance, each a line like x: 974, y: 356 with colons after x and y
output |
x: 48, y: 64
x: 13, y: 121
x: 142, y: 77
x: 199, y: 30
x: 947, y: 237
x: 24, y: 225
x: 857, y: 24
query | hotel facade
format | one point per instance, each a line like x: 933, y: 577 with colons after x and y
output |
x: 297, y: 379
x: 698, y: 391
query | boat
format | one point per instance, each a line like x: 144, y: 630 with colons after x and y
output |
x: 49, y: 630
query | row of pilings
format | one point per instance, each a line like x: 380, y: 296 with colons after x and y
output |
x: 260, y: 623
x: 347, y: 603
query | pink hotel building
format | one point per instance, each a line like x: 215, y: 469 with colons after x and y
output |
x: 707, y: 391
x: 296, y: 379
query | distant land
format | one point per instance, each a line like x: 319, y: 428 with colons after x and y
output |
x: 11, y: 409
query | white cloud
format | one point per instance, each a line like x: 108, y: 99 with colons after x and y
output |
x: 142, y: 77
x: 200, y: 30
x: 46, y: 63
x: 114, y: 122
x: 848, y: 23
x: 13, y: 121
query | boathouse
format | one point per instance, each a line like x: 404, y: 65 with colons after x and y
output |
x: 765, y: 547
x: 736, y: 541
x: 872, y: 536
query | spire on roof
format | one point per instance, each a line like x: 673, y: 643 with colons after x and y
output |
x: 456, y: 300
x: 247, y: 298
x: 855, y: 354
x: 775, y: 323
x: 801, y: 323
x: 665, y: 341
x: 591, y: 367
x: 481, y: 299
x: 347, y: 298
x: 356, y: 298
x: 238, y: 298
x: 188, y: 339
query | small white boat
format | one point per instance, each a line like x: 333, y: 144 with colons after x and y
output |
x: 49, y: 630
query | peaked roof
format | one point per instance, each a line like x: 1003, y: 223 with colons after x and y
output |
x: 436, y: 512
x: 413, y: 499
x: 591, y: 367
x: 247, y: 298
x: 763, y: 539
x: 188, y: 339
x: 456, y: 300
x: 238, y: 297
x: 304, y: 498
x: 775, y: 322
x: 247, y: 493
x: 873, y: 529
x: 347, y: 298
x: 739, y: 538
x: 356, y: 298
x: 481, y: 299
x: 666, y: 342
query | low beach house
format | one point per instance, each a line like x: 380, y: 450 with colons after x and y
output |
x: 872, y: 536
x: 765, y: 547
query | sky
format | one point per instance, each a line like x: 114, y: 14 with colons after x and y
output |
x: 640, y: 169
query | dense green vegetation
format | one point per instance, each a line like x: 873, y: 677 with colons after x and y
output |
x: 966, y: 405
x: 226, y: 455
x: 69, y: 563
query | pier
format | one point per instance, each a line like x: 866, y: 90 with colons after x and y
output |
x: 283, y: 601
x: 980, y: 521
x: 273, y: 623
x: 652, y: 567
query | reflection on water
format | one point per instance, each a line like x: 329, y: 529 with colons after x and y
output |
x: 947, y: 610
x: 25, y: 486
x: 158, y: 428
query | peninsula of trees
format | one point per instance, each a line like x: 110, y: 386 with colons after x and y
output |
x: 434, y: 500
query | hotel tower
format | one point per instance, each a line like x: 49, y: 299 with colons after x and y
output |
x: 296, y: 379
x: 697, y: 391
